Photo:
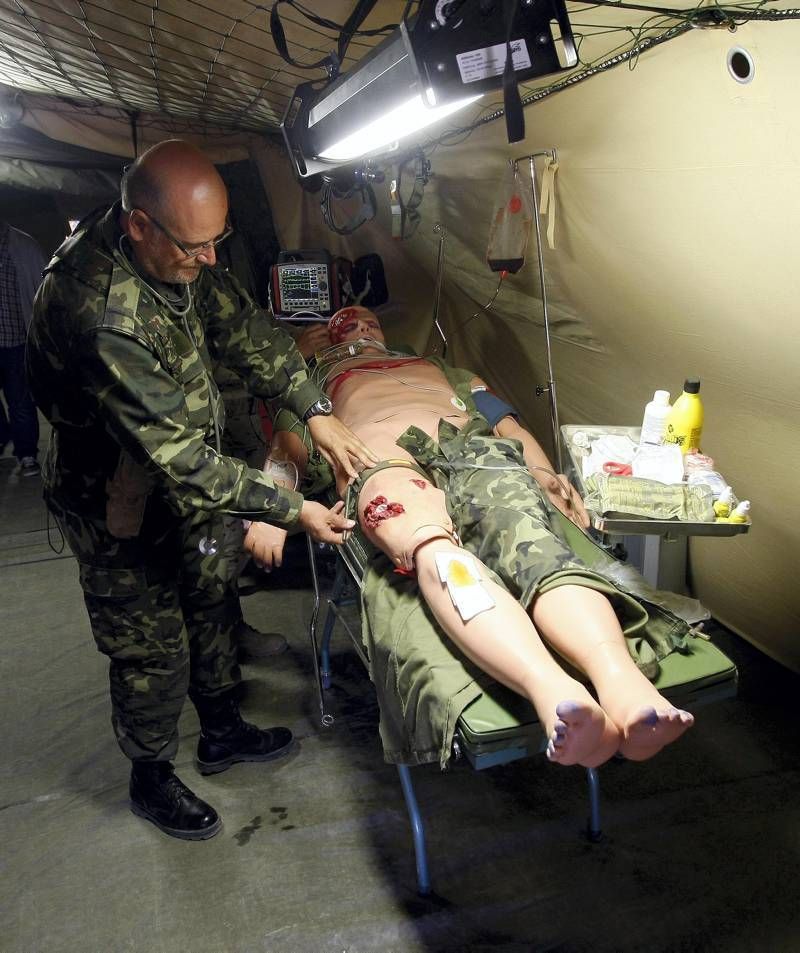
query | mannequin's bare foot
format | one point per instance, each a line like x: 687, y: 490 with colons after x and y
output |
x: 649, y: 729
x: 582, y: 734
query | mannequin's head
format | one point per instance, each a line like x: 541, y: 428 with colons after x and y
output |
x: 352, y: 323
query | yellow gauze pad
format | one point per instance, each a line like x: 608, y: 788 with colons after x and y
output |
x: 460, y: 574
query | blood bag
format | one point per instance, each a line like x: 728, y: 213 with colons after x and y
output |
x: 511, y: 222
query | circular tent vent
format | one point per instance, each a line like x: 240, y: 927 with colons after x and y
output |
x: 740, y: 65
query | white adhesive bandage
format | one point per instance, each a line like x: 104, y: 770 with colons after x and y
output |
x: 460, y: 574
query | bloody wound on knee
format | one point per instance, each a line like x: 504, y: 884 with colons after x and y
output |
x: 380, y: 509
x: 420, y: 483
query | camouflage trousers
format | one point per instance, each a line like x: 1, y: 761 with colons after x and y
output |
x: 161, y: 611
x: 498, y: 509
x: 244, y: 439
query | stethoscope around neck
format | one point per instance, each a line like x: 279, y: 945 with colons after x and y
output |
x: 181, y: 309
x: 208, y: 545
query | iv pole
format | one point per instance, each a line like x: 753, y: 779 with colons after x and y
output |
x: 550, y: 386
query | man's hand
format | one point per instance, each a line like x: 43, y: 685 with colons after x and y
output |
x: 339, y: 445
x: 323, y: 524
x: 312, y: 339
x: 563, y: 495
x: 264, y: 543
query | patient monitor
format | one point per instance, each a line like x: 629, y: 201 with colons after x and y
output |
x: 304, y: 286
x: 312, y: 284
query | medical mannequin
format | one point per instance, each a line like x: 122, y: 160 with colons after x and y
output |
x: 401, y: 511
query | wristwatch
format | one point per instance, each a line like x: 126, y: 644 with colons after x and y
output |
x: 322, y: 407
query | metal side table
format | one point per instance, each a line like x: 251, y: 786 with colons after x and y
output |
x: 656, y: 547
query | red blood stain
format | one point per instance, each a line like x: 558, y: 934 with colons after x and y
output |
x: 380, y: 509
x: 514, y: 204
x: 420, y: 483
x: 336, y: 328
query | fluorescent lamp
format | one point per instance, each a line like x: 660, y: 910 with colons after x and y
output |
x: 401, y: 121
x: 447, y: 57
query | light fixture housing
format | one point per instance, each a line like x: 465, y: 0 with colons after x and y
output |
x: 448, y: 56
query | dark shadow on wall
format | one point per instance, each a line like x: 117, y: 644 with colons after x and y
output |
x: 251, y: 256
x: 45, y: 183
x: 36, y: 213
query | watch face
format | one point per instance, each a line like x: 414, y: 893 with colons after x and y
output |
x: 322, y: 406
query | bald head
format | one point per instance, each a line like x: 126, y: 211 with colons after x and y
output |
x: 173, y: 199
x: 170, y: 175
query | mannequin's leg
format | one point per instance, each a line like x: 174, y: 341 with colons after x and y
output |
x: 580, y: 624
x: 504, y: 643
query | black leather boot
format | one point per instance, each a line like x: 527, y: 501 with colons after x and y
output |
x: 160, y: 796
x: 226, y: 739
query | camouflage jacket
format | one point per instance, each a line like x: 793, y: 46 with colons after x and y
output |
x: 113, y: 368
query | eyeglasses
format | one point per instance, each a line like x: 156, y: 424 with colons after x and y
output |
x: 191, y: 251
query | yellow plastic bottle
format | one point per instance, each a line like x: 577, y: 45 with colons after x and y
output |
x: 685, y: 420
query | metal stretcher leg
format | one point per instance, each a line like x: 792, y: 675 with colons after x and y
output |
x: 325, y: 717
x: 417, y: 829
x: 337, y: 591
x: 593, y: 831
x: 337, y: 599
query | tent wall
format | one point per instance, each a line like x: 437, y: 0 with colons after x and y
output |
x: 676, y: 254
x: 36, y: 213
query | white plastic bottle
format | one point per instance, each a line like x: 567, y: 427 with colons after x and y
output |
x: 741, y: 513
x: 654, y: 422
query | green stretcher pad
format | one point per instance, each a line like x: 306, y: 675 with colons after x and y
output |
x: 501, y: 726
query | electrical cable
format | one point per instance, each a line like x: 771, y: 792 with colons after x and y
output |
x: 331, y: 24
x: 693, y: 18
x: 331, y: 362
x: 329, y: 359
x: 366, y: 211
x: 399, y: 380
x: 50, y: 516
x: 490, y: 302
x: 331, y: 62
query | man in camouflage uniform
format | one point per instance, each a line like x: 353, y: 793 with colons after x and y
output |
x: 130, y: 312
x: 465, y: 500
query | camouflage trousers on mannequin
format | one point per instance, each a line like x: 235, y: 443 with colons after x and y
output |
x: 158, y: 610
x: 503, y: 517
x: 497, y: 507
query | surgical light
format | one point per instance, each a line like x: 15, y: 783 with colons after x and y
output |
x: 408, y: 117
x: 448, y: 56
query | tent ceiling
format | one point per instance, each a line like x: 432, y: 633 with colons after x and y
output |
x: 187, y: 60
x: 207, y: 65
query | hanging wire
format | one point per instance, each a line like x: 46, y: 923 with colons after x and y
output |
x: 693, y: 18
x: 487, y: 307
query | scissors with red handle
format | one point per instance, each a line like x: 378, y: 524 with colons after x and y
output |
x: 617, y: 469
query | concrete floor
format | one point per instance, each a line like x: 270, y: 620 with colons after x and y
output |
x: 701, y: 849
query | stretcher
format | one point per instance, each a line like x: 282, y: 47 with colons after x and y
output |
x: 499, y: 726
